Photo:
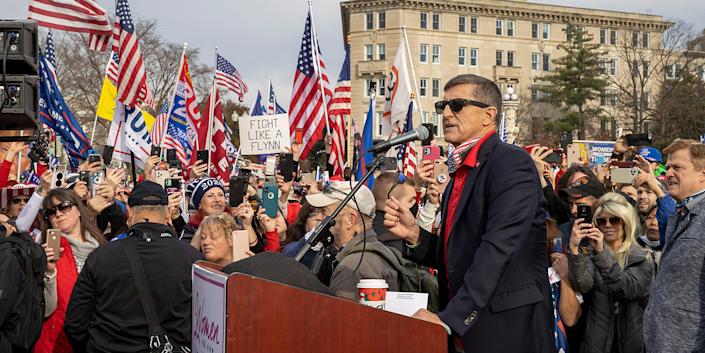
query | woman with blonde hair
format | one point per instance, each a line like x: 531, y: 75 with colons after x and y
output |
x: 614, y: 274
x: 214, y: 238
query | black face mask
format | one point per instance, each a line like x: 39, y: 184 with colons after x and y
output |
x: 414, y: 209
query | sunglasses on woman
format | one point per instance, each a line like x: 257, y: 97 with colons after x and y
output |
x: 64, y: 207
x: 18, y: 200
x: 601, y: 222
x: 457, y: 104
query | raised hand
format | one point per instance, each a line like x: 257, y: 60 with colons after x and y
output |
x: 400, y: 221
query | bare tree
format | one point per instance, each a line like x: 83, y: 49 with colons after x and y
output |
x: 531, y: 118
x: 646, y: 64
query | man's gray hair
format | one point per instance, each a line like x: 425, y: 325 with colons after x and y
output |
x: 150, y: 208
x: 485, y: 91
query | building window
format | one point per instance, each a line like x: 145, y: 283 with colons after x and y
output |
x: 381, y: 86
x: 382, y: 20
x: 635, y: 68
x: 462, y: 23
x: 473, y: 24
x: 534, y: 61
x: 671, y: 72
x: 645, y: 68
x: 613, y: 99
x: 499, y: 57
x: 367, y: 86
x: 423, y: 53
x: 546, y: 31
x: 369, y: 21
x: 500, y: 27
x: 510, y: 58
x: 438, y: 121
x: 546, y: 62
x: 510, y: 28
x: 369, y: 56
x: 701, y: 73
x: 436, y: 21
x: 534, y: 30
x: 424, y: 20
x: 381, y: 52
x: 635, y: 39
x: 378, y: 122
x: 603, y: 102
x: 461, y: 56
x: 534, y: 94
x: 613, y: 67
x: 473, y: 57
x: 603, y: 67
x: 603, y: 36
x: 613, y: 37
x: 436, y: 87
x: 423, y: 87
x: 436, y: 54
x: 645, y: 40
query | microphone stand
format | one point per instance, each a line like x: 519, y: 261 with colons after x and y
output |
x: 321, y: 234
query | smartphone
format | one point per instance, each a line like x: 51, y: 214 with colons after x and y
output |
x: 202, y: 155
x: 440, y: 172
x: 623, y: 175
x: 241, y: 243
x: 308, y: 178
x: 171, y: 158
x: 270, y: 165
x: 287, y: 166
x: 638, y: 139
x: 431, y: 153
x: 95, y: 179
x: 172, y: 185
x: 270, y: 199
x: 573, y: 154
x: 558, y: 245
x: 58, y: 178
x: 160, y: 176
x: 108, y: 154
x: 237, y: 190
x: 585, y: 212
x: 556, y: 157
x: 54, y: 242
x: 156, y: 151
x: 85, y: 176
x: 298, y: 136
x: 92, y: 158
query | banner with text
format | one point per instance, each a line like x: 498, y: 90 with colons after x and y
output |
x: 208, y: 308
x: 264, y: 134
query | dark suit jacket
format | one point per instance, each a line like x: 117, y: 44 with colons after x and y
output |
x: 496, y: 266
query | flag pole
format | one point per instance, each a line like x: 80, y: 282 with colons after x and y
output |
x: 314, y: 50
x: 173, y: 96
x: 214, y: 90
x: 413, y: 73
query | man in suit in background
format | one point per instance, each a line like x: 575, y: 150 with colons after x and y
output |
x: 491, y: 250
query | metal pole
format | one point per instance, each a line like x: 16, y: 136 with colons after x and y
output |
x: 209, y: 136
x: 314, y: 50
x: 413, y: 73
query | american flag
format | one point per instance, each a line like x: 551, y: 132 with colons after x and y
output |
x: 84, y: 16
x: 338, y: 111
x: 49, y: 49
x: 407, y: 151
x: 112, y: 70
x: 132, y: 75
x: 307, y: 108
x: 226, y: 75
x: 157, y: 131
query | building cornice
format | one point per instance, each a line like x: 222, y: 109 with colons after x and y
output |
x: 520, y: 10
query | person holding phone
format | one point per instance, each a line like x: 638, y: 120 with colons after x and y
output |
x: 616, y: 274
x: 62, y: 209
x: 216, y: 234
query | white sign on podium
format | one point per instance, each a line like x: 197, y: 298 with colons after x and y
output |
x: 208, y: 311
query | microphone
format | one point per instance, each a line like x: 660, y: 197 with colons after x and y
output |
x: 420, y: 133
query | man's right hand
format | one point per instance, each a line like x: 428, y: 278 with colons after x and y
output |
x: 149, y: 166
x: 424, y: 173
x: 45, y: 182
x: 400, y: 221
x: 198, y: 170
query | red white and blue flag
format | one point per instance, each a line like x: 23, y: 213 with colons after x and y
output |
x: 157, y: 131
x: 227, y: 76
x: 338, y: 112
x: 406, y: 155
x: 308, y: 97
x: 183, y: 117
x: 131, y: 75
x: 84, y: 16
x: 273, y: 106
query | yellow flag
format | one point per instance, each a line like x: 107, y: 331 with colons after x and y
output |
x: 106, y: 104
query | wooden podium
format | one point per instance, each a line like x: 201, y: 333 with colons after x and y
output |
x: 263, y: 316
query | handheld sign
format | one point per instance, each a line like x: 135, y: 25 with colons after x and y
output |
x: 264, y: 134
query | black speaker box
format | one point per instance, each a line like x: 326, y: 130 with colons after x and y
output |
x: 20, y: 112
x: 20, y: 38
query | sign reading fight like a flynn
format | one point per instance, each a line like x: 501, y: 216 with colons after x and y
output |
x: 264, y: 134
x: 208, y: 311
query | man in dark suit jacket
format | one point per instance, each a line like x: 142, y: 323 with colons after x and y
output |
x: 491, y: 250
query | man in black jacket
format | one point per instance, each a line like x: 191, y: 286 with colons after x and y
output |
x: 491, y: 250
x: 105, y: 313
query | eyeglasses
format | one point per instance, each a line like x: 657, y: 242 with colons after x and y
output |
x: 614, y: 221
x: 18, y: 200
x: 457, y: 104
x: 63, y: 207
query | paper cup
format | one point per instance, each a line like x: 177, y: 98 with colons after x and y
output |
x: 373, y: 292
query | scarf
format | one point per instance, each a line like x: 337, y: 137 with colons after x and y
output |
x: 682, y: 207
x: 81, y: 249
x: 458, y: 154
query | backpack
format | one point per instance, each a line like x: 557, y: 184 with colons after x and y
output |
x: 412, y: 277
x: 29, y: 307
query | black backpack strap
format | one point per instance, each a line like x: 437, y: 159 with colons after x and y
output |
x: 155, y: 330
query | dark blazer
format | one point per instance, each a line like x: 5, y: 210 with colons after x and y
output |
x: 496, y: 266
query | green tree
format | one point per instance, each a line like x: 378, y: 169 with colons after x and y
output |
x: 681, y: 108
x: 575, y: 82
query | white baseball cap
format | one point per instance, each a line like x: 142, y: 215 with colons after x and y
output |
x: 336, y: 191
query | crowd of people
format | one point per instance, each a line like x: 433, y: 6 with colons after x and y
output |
x: 517, y: 254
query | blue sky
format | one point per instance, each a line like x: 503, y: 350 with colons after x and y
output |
x: 262, y: 38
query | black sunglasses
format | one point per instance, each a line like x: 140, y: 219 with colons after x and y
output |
x: 64, y: 207
x: 457, y: 104
x: 601, y: 222
x: 18, y: 200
